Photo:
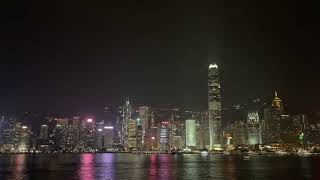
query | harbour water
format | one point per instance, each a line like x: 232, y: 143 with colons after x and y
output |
x: 156, y: 166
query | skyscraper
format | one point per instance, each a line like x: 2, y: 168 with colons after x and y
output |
x: 87, y: 136
x: 108, y: 136
x: 199, y: 136
x: 272, y: 119
x: 253, y: 128
x: 139, y: 135
x: 8, y: 134
x: 191, y: 133
x: 144, y: 119
x: 239, y: 132
x: 44, y: 132
x: 1, y: 130
x: 205, y: 129
x: 132, y: 134
x: 104, y: 136
x: 163, y: 135
x: 277, y: 103
x: 23, y: 134
x: 214, y: 107
x: 126, y: 118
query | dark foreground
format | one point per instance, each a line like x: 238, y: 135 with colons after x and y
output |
x: 162, y: 166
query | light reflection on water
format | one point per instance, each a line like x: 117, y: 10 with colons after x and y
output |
x: 154, y: 167
x: 165, y: 167
x: 19, y: 166
x: 104, y: 166
x: 86, y: 171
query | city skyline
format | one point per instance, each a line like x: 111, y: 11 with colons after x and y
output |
x: 151, y: 129
x: 147, y: 89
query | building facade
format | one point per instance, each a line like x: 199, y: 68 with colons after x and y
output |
x: 191, y: 133
x: 272, y: 122
x: 253, y: 128
x: 132, y: 134
x: 214, y: 107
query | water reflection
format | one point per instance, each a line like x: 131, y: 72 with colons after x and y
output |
x: 165, y: 162
x: 19, y: 167
x: 104, y: 166
x: 138, y: 167
x: 316, y: 168
x: 216, y: 163
x: 86, y: 171
x: 190, y: 169
x: 130, y: 166
x: 153, y: 167
x: 231, y: 168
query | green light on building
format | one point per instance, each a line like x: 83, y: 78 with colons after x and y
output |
x: 301, y: 137
x: 190, y: 132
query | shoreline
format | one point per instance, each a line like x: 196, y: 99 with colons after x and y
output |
x: 154, y: 152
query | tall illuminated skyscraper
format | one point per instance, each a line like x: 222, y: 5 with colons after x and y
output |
x: 272, y: 120
x: 277, y: 102
x: 191, y: 133
x: 126, y: 118
x: 23, y: 134
x: 132, y: 134
x: 253, y: 128
x: 144, y: 120
x: 214, y: 107
x: 44, y: 132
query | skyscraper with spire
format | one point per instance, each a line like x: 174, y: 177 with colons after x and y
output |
x: 277, y: 102
x: 214, y: 107
x: 272, y: 118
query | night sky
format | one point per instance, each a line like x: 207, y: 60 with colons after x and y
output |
x: 79, y: 56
